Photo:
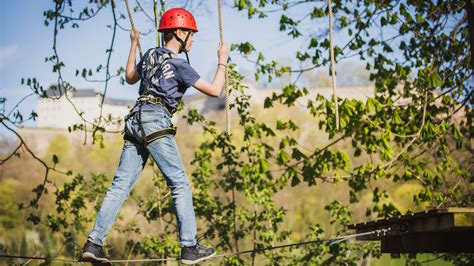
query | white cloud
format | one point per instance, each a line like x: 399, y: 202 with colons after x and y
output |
x: 7, y: 54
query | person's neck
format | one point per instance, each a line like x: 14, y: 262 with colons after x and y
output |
x: 173, y: 46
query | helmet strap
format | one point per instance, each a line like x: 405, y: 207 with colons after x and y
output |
x: 183, y: 44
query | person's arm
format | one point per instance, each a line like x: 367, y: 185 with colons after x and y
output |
x: 131, y: 73
x: 215, y: 87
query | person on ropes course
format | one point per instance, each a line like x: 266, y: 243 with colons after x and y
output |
x: 164, y: 78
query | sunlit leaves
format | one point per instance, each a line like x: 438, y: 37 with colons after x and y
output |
x: 244, y: 48
x: 286, y: 23
x: 412, y: 129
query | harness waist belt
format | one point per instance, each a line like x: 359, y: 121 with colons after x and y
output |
x: 153, y: 136
x: 156, y: 100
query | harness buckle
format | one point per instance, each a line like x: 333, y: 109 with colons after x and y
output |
x: 156, y: 100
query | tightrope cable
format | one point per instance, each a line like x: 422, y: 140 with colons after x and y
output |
x: 36, y: 258
x: 331, y: 241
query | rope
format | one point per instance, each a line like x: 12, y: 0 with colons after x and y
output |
x: 162, y: 2
x: 35, y: 258
x: 227, y: 96
x: 133, y: 26
x: 332, y: 241
x: 333, y: 67
x: 156, y: 23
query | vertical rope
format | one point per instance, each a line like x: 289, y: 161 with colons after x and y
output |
x: 156, y: 23
x: 227, y: 109
x: 162, y: 42
x: 133, y: 26
x: 227, y: 119
x: 333, y: 67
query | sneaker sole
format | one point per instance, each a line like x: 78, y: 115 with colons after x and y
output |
x: 90, y: 257
x: 198, y: 260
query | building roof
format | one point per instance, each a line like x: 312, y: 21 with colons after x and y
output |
x: 84, y: 93
x: 54, y: 92
x: 120, y: 102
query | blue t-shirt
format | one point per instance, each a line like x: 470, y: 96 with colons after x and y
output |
x: 170, y: 82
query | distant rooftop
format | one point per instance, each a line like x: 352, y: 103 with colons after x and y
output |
x: 121, y: 102
x: 55, y: 92
x: 84, y: 93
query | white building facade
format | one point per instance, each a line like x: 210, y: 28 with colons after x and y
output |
x: 57, y: 111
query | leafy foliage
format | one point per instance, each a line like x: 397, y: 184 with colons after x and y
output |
x: 415, y: 129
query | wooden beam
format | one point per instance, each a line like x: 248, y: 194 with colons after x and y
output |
x: 433, y: 242
x: 449, y: 230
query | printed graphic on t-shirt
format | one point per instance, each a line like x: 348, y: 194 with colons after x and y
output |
x: 167, y: 71
x: 165, y: 75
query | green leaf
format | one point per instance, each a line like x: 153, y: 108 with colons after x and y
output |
x: 295, y: 181
x: 263, y: 163
x: 435, y: 80
x: 297, y: 154
x: 420, y: 18
x: 283, y: 157
x: 370, y: 105
x: 408, y: 175
x: 457, y: 136
x: 55, y: 159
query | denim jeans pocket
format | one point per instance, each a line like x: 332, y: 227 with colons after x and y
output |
x: 154, y: 117
x: 155, y: 121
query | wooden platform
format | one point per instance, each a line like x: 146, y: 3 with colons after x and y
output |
x: 449, y: 230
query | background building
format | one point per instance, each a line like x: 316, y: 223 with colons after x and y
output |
x: 60, y: 112
x: 57, y: 112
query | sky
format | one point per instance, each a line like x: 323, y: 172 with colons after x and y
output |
x: 26, y: 42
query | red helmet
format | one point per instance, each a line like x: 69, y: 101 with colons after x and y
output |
x: 177, y: 18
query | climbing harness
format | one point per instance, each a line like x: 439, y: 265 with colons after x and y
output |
x: 156, y: 100
x: 153, y: 136
x: 147, y: 139
x: 175, y: 18
x: 151, y: 66
x: 226, y: 78
x: 331, y: 241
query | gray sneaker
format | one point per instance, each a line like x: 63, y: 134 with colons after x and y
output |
x: 195, y: 254
x: 93, y: 253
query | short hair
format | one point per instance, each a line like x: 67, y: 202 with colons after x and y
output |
x: 168, y: 34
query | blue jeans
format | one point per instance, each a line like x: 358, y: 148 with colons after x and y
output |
x: 164, y: 152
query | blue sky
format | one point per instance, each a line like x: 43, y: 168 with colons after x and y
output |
x: 26, y: 41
